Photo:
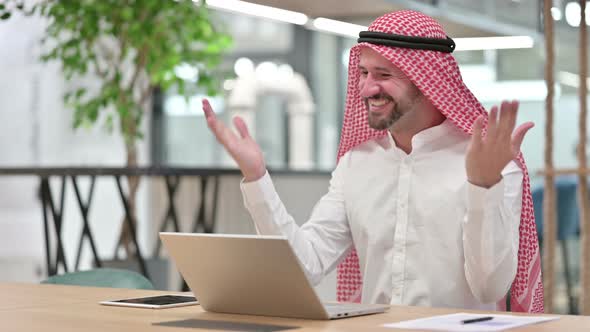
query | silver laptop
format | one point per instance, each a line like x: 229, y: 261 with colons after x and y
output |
x: 251, y: 274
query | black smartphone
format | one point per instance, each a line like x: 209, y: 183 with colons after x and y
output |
x: 154, y: 302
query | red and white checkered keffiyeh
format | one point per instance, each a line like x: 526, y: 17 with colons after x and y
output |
x: 437, y: 75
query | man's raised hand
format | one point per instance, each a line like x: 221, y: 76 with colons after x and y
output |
x: 488, y: 155
x: 242, y: 147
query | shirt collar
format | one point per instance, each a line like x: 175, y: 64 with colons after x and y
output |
x: 443, y: 133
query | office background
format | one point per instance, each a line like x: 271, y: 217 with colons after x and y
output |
x: 35, y: 127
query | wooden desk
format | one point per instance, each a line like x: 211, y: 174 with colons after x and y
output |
x: 53, y: 308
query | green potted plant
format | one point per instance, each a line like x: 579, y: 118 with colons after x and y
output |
x: 130, y: 48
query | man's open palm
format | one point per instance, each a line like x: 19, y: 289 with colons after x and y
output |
x: 242, y: 147
x: 488, y: 155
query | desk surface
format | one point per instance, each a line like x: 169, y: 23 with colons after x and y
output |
x: 49, y: 308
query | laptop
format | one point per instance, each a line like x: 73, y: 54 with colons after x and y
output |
x: 253, y: 275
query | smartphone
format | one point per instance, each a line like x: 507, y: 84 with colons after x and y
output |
x: 155, y: 302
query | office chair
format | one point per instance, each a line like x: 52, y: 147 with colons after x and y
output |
x: 568, y: 224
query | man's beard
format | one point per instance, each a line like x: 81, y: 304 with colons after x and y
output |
x: 384, y: 121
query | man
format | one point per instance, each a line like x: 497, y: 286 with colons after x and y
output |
x: 428, y: 189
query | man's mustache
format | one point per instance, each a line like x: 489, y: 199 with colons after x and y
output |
x: 380, y: 96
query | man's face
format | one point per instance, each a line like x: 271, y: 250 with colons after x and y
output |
x: 387, y: 92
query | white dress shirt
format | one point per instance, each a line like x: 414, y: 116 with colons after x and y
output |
x: 424, y: 235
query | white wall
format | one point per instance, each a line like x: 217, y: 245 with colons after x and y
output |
x: 35, y: 130
x: 22, y: 240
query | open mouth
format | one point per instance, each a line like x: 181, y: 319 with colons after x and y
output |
x: 379, y: 103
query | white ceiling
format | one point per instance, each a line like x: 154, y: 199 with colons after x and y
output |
x: 334, y: 8
x: 460, y: 18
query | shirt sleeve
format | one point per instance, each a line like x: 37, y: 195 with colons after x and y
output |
x: 491, y: 235
x: 321, y: 242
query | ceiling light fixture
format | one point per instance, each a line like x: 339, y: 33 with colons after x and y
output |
x: 571, y: 79
x: 337, y: 27
x: 493, y: 43
x: 573, y: 14
x: 556, y: 13
x: 249, y: 8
